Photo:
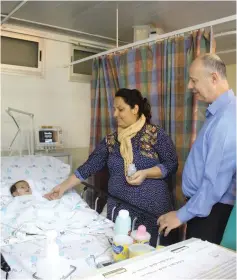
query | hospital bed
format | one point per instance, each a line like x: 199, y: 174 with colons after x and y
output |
x: 85, y: 242
x: 82, y: 232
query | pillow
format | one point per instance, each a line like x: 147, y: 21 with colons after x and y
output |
x: 47, y: 170
x: 41, y: 168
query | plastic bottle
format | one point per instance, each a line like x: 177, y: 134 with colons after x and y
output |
x: 131, y: 169
x: 141, y: 235
x: 120, y: 247
x: 123, y: 223
x: 52, y: 246
x: 49, y: 267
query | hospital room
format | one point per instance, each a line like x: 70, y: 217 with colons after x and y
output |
x: 118, y: 140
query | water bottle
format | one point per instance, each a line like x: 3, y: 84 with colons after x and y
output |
x: 131, y: 169
x: 123, y: 223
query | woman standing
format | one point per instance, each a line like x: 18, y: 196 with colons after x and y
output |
x: 141, y: 143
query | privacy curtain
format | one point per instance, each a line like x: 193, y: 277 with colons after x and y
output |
x: 160, y: 72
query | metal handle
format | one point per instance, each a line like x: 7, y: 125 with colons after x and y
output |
x: 73, y: 268
x: 83, y: 192
x: 134, y: 223
x: 36, y: 277
x: 158, y: 240
x: 67, y: 275
x: 112, y: 216
x: 96, y: 203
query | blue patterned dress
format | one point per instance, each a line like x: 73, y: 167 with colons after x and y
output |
x: 151, y: 147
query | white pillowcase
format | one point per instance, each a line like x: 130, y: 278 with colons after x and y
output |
x: 45, y: 171
x: 33, y: 167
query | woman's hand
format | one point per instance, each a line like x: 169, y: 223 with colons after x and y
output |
x: 56, y: 193
x: 137, y: 178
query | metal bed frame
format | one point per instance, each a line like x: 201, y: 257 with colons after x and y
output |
x: 102, y: 195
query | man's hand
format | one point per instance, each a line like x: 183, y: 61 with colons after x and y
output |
x: 137, y: 178
x: 168, y: 222
x: 56, y: 193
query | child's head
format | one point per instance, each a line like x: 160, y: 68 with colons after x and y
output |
x: 20, y: 188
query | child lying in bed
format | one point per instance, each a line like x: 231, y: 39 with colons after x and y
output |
x: 33, y: 213
x: 20, y: 188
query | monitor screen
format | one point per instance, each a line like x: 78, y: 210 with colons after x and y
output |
x: 47, y: 136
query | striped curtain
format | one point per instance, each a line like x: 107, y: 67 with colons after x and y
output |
x: 160, y: 72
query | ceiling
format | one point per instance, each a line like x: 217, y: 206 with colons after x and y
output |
x: 99, y: 17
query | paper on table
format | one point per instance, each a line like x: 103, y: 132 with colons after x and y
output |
x: 193, y: 261
x: 190, y: 260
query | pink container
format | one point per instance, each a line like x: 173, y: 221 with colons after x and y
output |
x: 141, y: 235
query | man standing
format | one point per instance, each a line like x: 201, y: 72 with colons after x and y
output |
x: 209, y: 175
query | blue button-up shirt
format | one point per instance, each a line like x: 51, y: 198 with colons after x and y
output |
x: 209, y: 174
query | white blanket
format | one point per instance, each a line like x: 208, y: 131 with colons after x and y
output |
x: 35, y: 214
x: 81, y: 231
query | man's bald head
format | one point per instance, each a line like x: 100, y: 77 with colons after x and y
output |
x: 207, y: 77
x: 212, y: 63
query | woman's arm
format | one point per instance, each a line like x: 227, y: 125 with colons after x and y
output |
x: 141, y: 175
x: 70, y: 182
x: 153, y: 172
x: 58, y: 191
x: 95, y: 163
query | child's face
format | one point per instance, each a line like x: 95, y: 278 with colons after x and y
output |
x: 22, y: 188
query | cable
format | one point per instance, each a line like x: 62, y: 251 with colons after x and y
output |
x: 21, y: 231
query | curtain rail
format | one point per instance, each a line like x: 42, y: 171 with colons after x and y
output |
x: 227, y: 33
x: 7, y: 17
x: 158, y: 37
x: 64, y: 29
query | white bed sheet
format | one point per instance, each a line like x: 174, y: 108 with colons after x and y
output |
x: 81, y: 231
x: 85, y: 233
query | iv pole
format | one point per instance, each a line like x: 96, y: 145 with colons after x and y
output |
x: 31, y: 147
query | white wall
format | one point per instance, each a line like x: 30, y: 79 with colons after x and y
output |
x: 53, y: 99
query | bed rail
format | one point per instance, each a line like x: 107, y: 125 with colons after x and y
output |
x: 175, y: 236
x: 103, y: 195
